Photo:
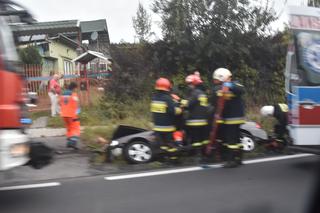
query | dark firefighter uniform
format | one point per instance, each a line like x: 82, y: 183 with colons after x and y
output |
x: 197, y: 117
x: 164, y: 111
x: 281, y: 114
x: 231, y: 119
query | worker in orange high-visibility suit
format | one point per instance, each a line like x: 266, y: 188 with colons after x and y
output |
x: 69, y: 102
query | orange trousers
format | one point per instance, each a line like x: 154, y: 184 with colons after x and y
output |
x: 73, y: 126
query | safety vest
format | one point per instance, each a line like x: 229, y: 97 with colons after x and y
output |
x: 69, y: 104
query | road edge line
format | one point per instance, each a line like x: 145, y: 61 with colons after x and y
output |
x: 199, y: 168
x: 30, y: 186
x: 262, y: 160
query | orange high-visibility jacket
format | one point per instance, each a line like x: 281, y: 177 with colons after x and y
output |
x: 69, y: 105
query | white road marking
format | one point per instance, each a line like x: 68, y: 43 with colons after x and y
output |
x: 156, y: 173
x: 276, y: 158
x: 199, y: 168
x: 30, y: 186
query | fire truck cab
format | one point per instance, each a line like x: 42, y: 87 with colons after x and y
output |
x: 15, y: 148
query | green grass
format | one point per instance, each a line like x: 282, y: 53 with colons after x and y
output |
x: 35, y: 115
x: 266, y: 123
x: 55, y: 122
x: 91, y: 133
x: 108, y: 113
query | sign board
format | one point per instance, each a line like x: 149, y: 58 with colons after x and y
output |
x: 306, y: 18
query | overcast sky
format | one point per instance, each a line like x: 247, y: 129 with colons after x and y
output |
x: 118, y: 13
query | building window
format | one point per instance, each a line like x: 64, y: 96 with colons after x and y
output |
x: 68, y: 67
x: 103, y: 67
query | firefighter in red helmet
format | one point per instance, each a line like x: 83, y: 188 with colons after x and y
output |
x: 164, y: 111
x: 197, y: 112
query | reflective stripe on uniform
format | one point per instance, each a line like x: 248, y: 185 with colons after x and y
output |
x: 229, y: 95
x: 158, y: 107
x: 168, y: 149
x: 239, y: 120
x: 197, y: 144
x: 284, y: 107
x: 206, y: 142
x: 184, y: 102
x: 177, y: 110
x: 234, y: 121
x: 164, y: 147
x: 172, y: 150
x: 199, y: 122
x: 219, y: 93
x: 233, y: 146
x: 203, y: 100
x: 164, y: 128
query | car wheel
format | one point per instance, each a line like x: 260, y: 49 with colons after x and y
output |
x: 248, y: 143
x: 138, y: 152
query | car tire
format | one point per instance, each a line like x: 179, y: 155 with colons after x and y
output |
x: 138, y: 152
x: 248, y: 143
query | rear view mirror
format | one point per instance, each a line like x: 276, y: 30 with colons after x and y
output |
x: 33, y: 99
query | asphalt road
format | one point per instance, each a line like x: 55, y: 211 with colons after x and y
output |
x: 278, y: 186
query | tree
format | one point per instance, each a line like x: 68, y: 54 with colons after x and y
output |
x: 30, y: 55
x: 142, y: 23
x: 209, y: 34
x: 131, y: 73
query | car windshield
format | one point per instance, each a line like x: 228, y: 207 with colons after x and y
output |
x: 308, y: 49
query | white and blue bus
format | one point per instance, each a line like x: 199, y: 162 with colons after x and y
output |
x: 303, y: 78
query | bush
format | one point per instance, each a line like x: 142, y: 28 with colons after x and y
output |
x: 30, y: 55
x: 132, y: 76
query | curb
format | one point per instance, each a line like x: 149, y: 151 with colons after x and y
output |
x: 52, y: 132
x: 45, y: 132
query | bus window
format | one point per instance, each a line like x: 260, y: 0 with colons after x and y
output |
x: 292, y: 76
x: 308, y: 50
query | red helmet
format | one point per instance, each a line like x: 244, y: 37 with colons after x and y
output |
x: 163, y: 84
x: 194, y: 79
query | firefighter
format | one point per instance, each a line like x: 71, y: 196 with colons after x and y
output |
x: 69, y: 103
x: 197, y: 112
x: 164, y: 112
x: 280, y: 113
x: 232, y: 115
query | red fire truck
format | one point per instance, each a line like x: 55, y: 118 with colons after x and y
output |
x: 15, y: 148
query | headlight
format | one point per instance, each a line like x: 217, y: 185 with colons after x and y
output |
x: 114, y: 143
x: 18, y: 150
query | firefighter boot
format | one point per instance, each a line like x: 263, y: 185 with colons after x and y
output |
x: 231, y: 159
x: 239, y: 156
x: 72, y: 143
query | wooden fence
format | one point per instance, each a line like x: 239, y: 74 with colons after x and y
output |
x: 37, y: 82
